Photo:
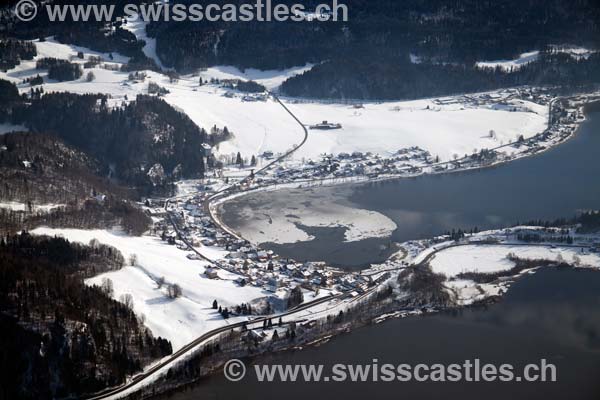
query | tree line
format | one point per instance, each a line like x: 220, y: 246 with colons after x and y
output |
x: 61, y: 337
x: 130, y: 139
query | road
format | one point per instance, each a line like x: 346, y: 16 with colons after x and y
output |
x: 224, y: 192
x: 212, y: 334
x: 204, y: 338
x: 215, y: 332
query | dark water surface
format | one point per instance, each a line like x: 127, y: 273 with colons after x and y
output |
x: 552, y: 315
x: 555, y: 184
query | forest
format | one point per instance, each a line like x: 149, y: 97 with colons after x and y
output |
x: 399, y: 78
x: 459, y: 31
x: 61, y: 337
x: 371, y: 56
x: 12, y: 51
x: 41, y: 169
x: 60, y: 70
x: 92, y: 34
x: 130, y: 141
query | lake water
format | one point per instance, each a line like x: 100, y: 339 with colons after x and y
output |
x: 551, y: 315
x: 555, y: 184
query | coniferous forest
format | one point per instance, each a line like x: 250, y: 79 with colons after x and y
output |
x: 386, y: 50
x: 66, y: 338
x: 128, y: 141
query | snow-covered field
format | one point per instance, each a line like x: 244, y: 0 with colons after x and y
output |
x: 508, y: 65
x: 452, y: 127
x: 180, y: 320
x: 53, y: 49
x: 486, y: 259
x: 7, y: 128
x: 16, y: 206
x: 576, y: 52
x: 443, y: 130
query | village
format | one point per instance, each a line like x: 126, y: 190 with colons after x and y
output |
x: 564, y: 118
x: 185, y: 224
x: 190, y: 222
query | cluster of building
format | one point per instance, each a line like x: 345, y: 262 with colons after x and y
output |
x: 185, y: 224
x: 565, y: 117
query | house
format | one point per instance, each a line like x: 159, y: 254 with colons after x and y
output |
x: 211, y: 273
x: 252, y: 336
x: 262, y: 255
x: 326, y: 126
x: 206, y: 149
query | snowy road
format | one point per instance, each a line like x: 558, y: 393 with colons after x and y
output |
x: 138, y: 380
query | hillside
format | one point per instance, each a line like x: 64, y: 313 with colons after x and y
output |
x: 65, y: 338
x: 46, y: 182
x: 145, y: 143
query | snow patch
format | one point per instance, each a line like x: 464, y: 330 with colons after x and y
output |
x: 179, y: 320
x: 7, y: 128
x: 489, y: 259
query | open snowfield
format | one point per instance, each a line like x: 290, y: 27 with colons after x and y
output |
x: 53, y: 49
x: 444, y: 129
x: 179, y: 320
x: 486, y: 259
x: 508, y: 65
x: 16, y: 206
x: 576, y: 52
x: 7, y: 128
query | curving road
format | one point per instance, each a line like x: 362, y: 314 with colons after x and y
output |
x: 215, y: 332
x: 205, y: 337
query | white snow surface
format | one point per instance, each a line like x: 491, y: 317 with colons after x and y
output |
x: 443, y: 130
x: 17, y: 206
x: 453, y: 127
x: 508, y: 65
x: 178, y: 320
x: 488, y: 259
x: 271, y: 79
x: 7, y: 128
x: 137, y: 26
x: 576, y: 52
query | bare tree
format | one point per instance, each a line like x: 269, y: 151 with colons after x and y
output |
x: 127, y: 299
x: 174, y: 291
x: 107, y: 287
x: 160, y: 282
x: 133, y: 259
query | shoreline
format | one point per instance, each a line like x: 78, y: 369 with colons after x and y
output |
x: 215, y: 203
x: 151, y: 392
x: 368, y: 302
